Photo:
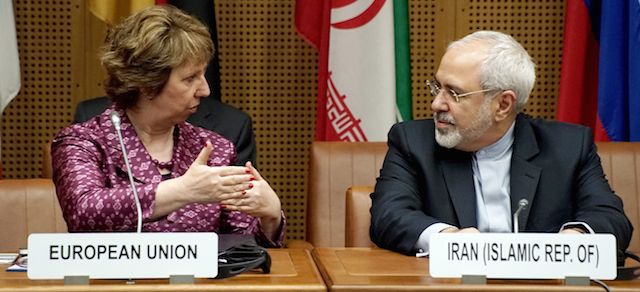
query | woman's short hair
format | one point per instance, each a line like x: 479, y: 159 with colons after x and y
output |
x: 507, y: 66
x: 140, y: 52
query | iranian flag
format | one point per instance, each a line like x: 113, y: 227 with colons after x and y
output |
x: 364, y: 78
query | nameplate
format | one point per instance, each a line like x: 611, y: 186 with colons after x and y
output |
x: 523, y: 255
x: 122, y: 255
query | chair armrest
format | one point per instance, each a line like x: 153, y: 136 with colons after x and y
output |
x: 298, y: 243
x: 358, y: 217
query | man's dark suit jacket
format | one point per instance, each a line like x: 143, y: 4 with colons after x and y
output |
x: 212, y: 114
x: 554, y: 166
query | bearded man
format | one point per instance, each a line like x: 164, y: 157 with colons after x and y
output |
x: 466, y: 169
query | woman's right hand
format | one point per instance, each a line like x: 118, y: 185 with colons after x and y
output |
x: 208, y: 184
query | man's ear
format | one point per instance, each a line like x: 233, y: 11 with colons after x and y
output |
x: 506, y: 104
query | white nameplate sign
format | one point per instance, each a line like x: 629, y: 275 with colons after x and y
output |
x: 523, y: 255
x: 122, y: 255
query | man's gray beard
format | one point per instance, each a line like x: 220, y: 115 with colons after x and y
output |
x: 450, y: 138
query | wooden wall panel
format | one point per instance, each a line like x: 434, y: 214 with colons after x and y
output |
x: 95, y: 31
x: 49, y: 37
x: 266, y: 70
x: 432, y: 27
x: 269, y: 72
x: 538, y: 26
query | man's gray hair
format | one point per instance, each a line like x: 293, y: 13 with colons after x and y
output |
x: 507, y: 66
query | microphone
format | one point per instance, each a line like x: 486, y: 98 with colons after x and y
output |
x: 115, y: 119
x: 522, y: 204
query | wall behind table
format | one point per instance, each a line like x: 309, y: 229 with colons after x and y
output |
x: 48, y: 39
x: 267, y: 70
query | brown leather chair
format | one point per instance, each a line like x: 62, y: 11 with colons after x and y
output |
x: 621, y: 164
x: 27, y: 206
x: 620, y: 161
x: 47, y: 167
x: 334, y: 167
x: 358, y: 217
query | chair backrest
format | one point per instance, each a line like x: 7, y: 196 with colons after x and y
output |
x: 27, y: 206
x: 47, y: 167
x: 334, y: 167
x: 358, y: 217
x: 621, y: 164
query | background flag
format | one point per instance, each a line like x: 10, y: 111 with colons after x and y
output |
x: 10, y: 69
x: 112, y: 11
x: 600, y: 77
x: 364, y: 78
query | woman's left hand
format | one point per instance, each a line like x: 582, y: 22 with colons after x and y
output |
x: 259, y: 201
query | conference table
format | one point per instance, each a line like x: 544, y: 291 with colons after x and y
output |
x: 374, y: 269
x: 291, y: 270
x: 322, y: 269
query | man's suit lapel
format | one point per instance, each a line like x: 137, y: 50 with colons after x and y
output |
x: 524, y: 175
x: 458, y: 176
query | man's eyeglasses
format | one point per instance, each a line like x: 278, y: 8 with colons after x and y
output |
x: 435, y: 89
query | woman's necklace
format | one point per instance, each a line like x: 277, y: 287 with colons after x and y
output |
x: 168, y: 165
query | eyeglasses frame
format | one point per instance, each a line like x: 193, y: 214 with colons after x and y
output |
x: 435, y: 89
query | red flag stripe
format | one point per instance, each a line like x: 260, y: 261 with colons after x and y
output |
x: 363, y: 18
x: 578, y: 94
x: 341, y: 3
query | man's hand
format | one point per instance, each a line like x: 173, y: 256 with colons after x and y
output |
x: 572, y: 231
x: 463, y: 230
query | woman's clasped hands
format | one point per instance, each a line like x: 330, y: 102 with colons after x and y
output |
x: 236, y: 188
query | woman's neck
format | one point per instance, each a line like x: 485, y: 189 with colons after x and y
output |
x: 156, y: 136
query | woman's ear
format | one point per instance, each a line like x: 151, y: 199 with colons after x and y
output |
x: 146, y: 93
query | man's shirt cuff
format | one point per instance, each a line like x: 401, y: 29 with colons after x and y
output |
x: 579, y: 225
x: 422, y: 245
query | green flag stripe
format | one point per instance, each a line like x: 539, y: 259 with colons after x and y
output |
x: 403, y: 59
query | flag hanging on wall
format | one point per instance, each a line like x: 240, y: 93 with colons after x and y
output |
x: 112, y: 11
x: 10, y: 69
x: 600, y: 75
x: 364, y: 78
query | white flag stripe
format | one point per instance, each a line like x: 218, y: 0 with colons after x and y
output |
x: 362, y: 66
x: 10, y: 69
